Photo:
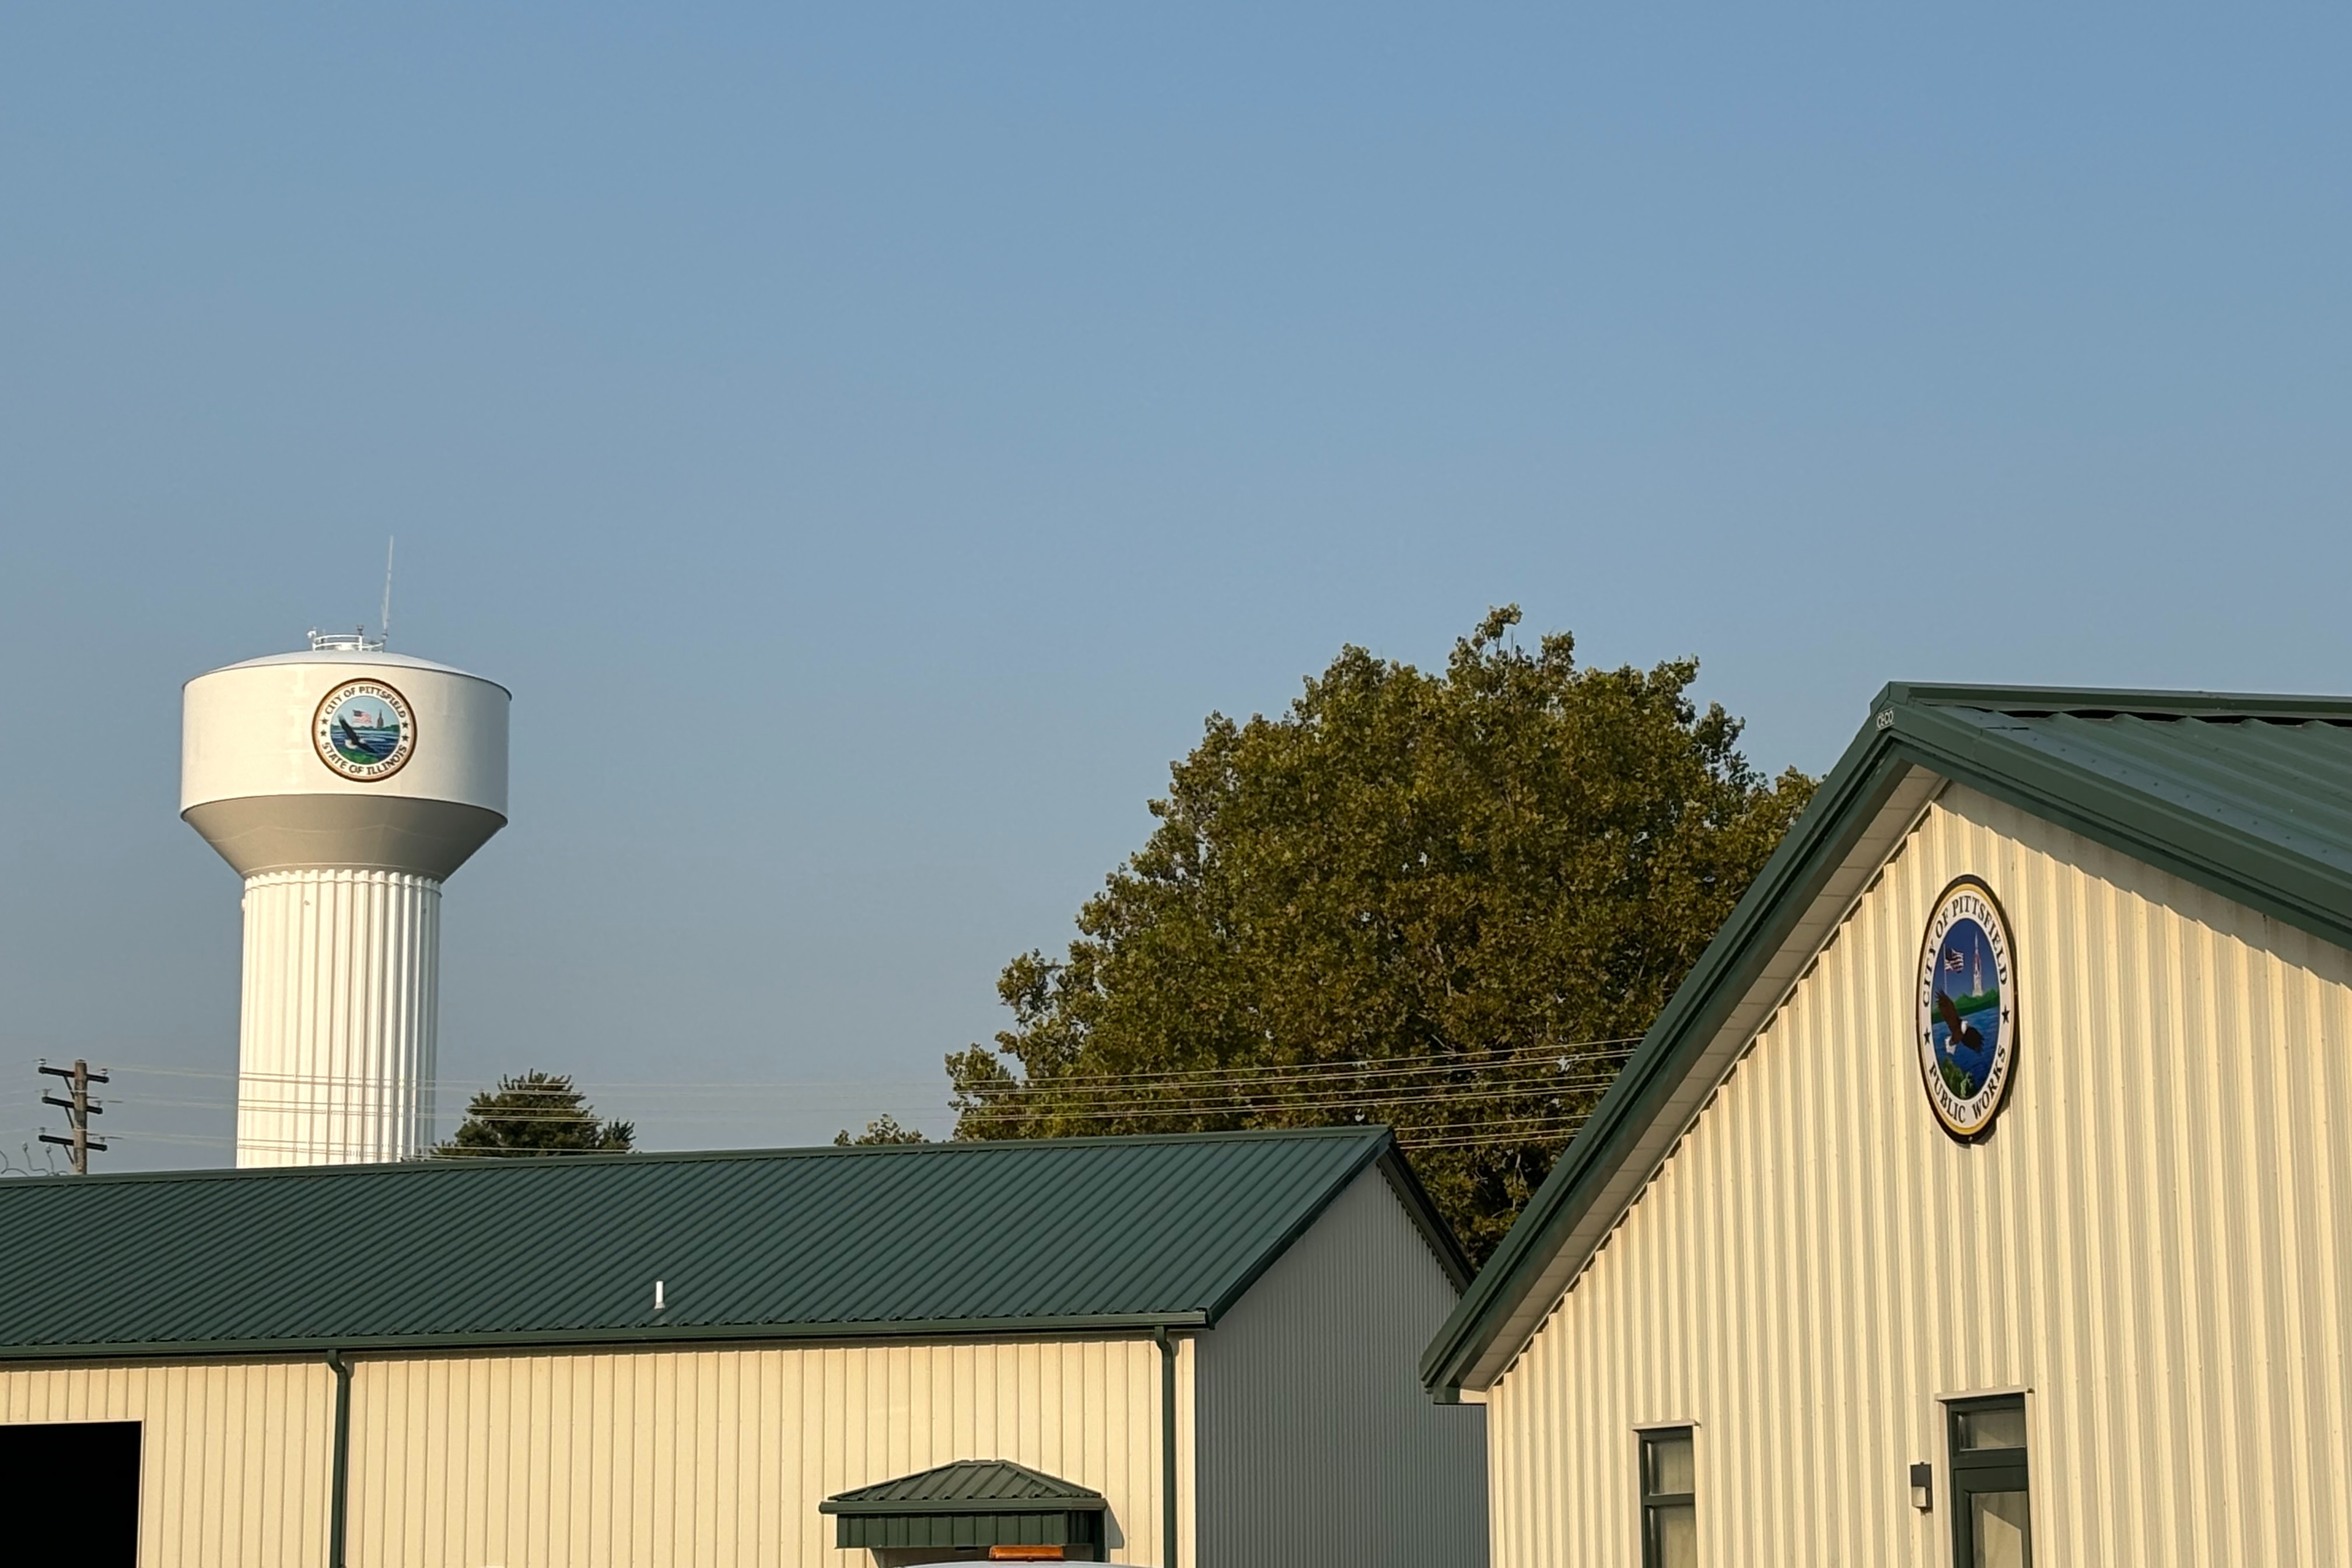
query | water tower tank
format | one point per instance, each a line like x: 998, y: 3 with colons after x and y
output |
x: 344, y: 784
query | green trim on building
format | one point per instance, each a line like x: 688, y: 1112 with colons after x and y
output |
x: 2249, y: 796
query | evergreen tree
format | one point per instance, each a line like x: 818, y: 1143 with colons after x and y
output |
x: 534, y: 1112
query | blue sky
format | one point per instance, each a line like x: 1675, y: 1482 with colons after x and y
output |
x: 870, y: 443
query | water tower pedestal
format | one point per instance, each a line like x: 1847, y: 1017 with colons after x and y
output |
x: 335, y: 1049
x: 344, y: 785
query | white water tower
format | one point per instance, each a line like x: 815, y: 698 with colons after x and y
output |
x: 344, y: 785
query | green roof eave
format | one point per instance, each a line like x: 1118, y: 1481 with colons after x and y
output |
x: 842, y: 1508
x: 1111, y: 1324
x: 1911, y: 728
x: 1426, y: 1217
x: 991, y: 1508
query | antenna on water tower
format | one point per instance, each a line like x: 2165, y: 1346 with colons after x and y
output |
x: 383, y: 621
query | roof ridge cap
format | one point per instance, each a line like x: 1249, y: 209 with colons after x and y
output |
x: 2177, y: 703
x: 587, y: 1159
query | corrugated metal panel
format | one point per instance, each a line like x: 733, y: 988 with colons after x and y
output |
x: 720, y: 1459
x: 2288, y: 784
x: 1317, y: 1442
x: 234, y: 1458
x: 958, y: 1233
x: 2156, y: 1241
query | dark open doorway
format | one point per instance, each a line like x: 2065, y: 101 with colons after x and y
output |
x: 69, y: 1492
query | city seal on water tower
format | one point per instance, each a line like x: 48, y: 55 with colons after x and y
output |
x: 365, y: 730
x: 1967, y: 1009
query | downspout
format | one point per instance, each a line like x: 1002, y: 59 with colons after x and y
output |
x: 1167, y: 1447
x: 340, y: 1483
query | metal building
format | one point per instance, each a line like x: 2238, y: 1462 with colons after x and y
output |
x: 1166, y: 1351
x: 1984, y: 1195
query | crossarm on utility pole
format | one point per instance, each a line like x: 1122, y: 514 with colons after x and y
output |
x: 78, y: 1111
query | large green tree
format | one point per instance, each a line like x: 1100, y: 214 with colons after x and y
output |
x: 1445, y: 901
x: 534, y: 1112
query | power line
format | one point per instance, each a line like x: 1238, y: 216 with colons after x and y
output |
x: 1083, y: 1086
x: 1487, y: 1140
x: 1005, y: 1105
x: 1523, y: 1056
x: 1518, y: 1055
x: 1509, y: 1132
x: 1434, y: 1081
x: 1108, y: 1109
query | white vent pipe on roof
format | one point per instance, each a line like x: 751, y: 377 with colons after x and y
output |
x: 345, y: 785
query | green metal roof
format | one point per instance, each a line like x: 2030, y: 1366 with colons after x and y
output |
x: 968, y: 1486
x: 970, y: 1503
x: 2248, y: 796
x: 1016, y: 1237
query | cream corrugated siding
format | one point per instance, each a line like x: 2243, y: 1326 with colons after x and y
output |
x: 2154, y: 1242
x: 1318, y: 1443
x: 234, y: 1458
x: 720, y: 1457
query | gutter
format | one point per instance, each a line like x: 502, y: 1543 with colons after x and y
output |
x: 339, y: 1496
x: 1167, y: 1447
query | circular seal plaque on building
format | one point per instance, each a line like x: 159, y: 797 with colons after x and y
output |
x: 1967, y: 1009
x: 365, y: 730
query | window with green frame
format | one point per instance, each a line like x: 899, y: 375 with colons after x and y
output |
x: 1992, y: 1520
x: 1669, y: 1500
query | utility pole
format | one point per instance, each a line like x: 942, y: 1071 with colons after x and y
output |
x: 78, y: 1111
